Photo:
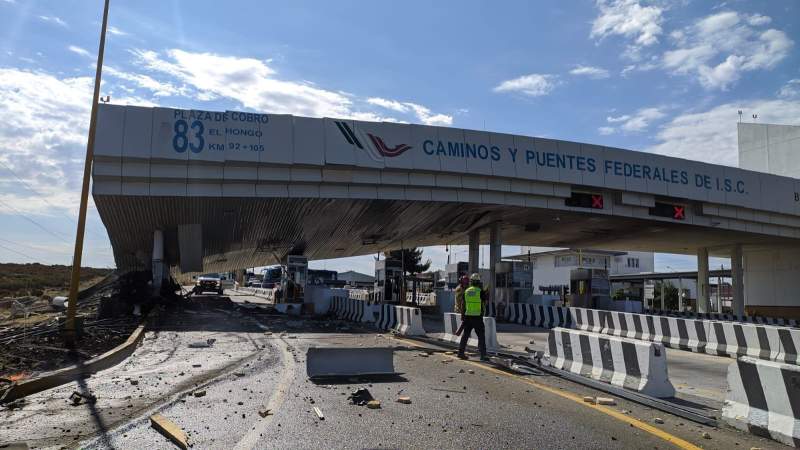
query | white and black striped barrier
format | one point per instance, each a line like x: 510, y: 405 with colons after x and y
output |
x: 405, y: 320
x: 701, y: 336
x: 626, y: 363
x: 367, y: 296
x: 764, y: 399
x: 539, y: 315
x: 351, y: 309
x: 452, y: 322
x: 776, y: 321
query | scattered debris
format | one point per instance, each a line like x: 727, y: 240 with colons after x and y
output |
x: 199, y: 393
x: 470, y: 371
x: 361, y: 397
x: 423, y: 354
x: 606, y: 401
x: 404, y: 400
x: 460, y: 370
x: 134, y: 382
x: 77, y: 398
x: 659, y: 420
x: 171, y: 431
x: 239, y: 374
x: 197, y: 365
x: 588, y: 399
x: 449, y: 353
x: 268, y: 333
x: 201, y: 344
x: 373, y: 404
x: 319, y: 413
x: 265, y: 412
x: 706, y: 435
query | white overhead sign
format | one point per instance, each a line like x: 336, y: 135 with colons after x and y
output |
x: 241, y: 137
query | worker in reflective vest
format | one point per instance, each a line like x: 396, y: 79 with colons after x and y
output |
x: 472, y: 316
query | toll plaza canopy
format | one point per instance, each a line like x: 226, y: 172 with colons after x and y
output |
x: 232, y: 189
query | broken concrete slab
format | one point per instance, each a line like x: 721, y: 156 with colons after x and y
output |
x: 606, y: 401
x: 344, y: 362
x: 373, y: 404
x: 170, y: 430
x: 404, y: 400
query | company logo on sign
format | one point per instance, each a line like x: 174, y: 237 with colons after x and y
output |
x: 374, y: 145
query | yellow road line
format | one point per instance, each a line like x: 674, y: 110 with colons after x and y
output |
x: 657, y: 432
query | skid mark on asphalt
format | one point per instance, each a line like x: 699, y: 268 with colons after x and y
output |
x: 661, y: 434
x: 250, y: 440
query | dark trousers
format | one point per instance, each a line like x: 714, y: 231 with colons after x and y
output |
x: 473, y: 323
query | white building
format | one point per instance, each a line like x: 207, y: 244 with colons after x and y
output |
x: 551, y: 267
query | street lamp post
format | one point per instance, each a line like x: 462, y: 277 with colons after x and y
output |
x: 72, y: 305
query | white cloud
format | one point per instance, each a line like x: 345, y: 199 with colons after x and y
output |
x: 791, y: 89
x: 157, y: 88
x: 43, y: 135
x: 635, y: 123
x: 589, y: 71
x: 717, y: 49
x: 533, y: 85
x: 116, y: 31
x: 422, y: 113
x: 628, y: 18
x: 254, y: 84
x: 54, y: 19
x: 79, y: 50
x: 711, y: 135
x: 621, y: 118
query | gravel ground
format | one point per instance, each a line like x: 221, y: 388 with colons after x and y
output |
x: 257, y: 363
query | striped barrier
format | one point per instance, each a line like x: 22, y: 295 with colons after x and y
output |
x: 626, y: 363
x: 361, y: 294
x: 539, y: 315
x: 702, y: 336
x: 763, y: 399
x: 776, y: 321
x: 351, y: 309
x: 405, y: 320
x: 451, y: 323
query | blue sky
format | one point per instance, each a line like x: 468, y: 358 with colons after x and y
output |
x: 657, y: 76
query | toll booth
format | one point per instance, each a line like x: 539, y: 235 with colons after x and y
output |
x: 513, y: 282
x: 388, y: 280
x: 454, y: 273
x: 294, y: 278
x: 590, y: 288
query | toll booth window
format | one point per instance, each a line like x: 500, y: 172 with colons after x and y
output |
x: 669, y: 210
x: 585, y: 200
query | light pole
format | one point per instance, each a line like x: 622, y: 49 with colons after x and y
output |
x: 72, y: 306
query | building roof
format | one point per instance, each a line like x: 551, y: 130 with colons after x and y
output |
x: 352, y: 275
x: 563, y: 251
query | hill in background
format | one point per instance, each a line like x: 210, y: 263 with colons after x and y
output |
x: 35, y: 279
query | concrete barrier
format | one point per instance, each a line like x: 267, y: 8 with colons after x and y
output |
x: 405, y: 320
x: 539, y: 315
x: 730, y: 339
x: 351, y: 309
x: 763, y: 398
x: 724, y: 317
x: 627, y: 363
x: 451, y: 323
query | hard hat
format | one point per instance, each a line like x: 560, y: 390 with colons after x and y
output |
x: 475, y: 277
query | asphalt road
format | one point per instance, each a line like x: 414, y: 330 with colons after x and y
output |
x: 258, y: 362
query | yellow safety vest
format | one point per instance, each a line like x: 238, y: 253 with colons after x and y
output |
x: 472, y: 301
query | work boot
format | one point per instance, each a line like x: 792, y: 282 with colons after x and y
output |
x: 462, y: 356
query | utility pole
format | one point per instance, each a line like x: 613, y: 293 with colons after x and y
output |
x: 72, y: 306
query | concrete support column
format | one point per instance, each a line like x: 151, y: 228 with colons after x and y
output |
x: 474, y: 250
x: 737, y: 274
x: 158, y: 260
x: 702, y: 280
x: 495, y: 248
